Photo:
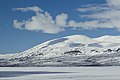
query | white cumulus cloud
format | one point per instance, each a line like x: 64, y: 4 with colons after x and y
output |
x: 61, y: 19
x: 42, y: 21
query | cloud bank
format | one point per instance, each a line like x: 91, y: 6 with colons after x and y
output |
x: 42, y: 21
x: 102, y: 16
x: 105, y: 15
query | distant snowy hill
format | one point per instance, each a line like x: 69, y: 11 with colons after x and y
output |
x: 74, y: 50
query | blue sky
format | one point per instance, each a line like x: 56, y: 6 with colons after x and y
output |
x: 19, y: 29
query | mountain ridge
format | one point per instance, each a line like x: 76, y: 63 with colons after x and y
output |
x: 74, y: 50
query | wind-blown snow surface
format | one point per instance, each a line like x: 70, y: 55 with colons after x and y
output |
x: 59, y: 73
x: 75, y: 50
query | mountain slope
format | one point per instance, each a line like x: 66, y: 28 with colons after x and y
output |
x: 74, y: 50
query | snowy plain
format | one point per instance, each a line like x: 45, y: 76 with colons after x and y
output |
x: 60, y: 73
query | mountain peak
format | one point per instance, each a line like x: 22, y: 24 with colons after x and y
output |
x: 108, y: 39
x: 80, y: 39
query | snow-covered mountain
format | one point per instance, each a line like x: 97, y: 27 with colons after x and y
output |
x: 74, y: 50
